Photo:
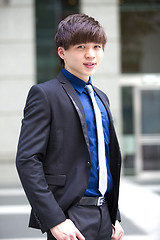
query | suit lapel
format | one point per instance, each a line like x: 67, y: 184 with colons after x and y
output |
x: 106, y: 104
x: 104, y: 100
x: 76, y: 103
x: 114, y: 141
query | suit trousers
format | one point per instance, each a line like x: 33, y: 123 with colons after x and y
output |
x: 92, y: 221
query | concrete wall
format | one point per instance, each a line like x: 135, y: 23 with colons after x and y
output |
x: 17, y: 68
x: 107, y: 76
x: 17, y: 72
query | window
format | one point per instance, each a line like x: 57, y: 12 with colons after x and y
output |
x: 150, y: 120
x: 48, y: 14
x: 140, y: 36
x: 127, y: 110
x: 151, y: 156
x: 128, y: 140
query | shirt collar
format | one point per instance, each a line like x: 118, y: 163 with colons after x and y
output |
x: 76, y: 82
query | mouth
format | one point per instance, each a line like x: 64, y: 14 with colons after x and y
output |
x: 90, y: 65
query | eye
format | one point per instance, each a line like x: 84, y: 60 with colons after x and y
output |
x: 81, y: 46
x: 98, y: 46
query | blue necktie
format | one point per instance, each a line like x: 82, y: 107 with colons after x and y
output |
x: 101, y: 142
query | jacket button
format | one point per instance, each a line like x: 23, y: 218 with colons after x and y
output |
x: 89, y: 164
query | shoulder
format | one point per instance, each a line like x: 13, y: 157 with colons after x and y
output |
x: 47, y: 88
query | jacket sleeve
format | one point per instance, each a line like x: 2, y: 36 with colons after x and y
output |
x: 118, y: 217
x: 30, y: 156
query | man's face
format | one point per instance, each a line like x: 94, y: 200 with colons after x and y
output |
x: 82, y: 60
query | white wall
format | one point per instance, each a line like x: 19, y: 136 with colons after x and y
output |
x: 17, y: 71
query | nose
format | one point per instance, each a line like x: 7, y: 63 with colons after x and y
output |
x: 90, y: 53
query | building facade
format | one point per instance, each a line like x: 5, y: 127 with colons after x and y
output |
x: 129, y: 73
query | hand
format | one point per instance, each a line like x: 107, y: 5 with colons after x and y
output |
x: 118, y: 231
x: 66, y: 231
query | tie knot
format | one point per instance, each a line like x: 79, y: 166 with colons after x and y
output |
x: 89, y: 88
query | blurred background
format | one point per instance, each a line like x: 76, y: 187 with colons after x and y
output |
x: 129, y: 75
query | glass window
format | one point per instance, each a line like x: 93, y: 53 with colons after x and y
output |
x: 128, y: 139
x: 48, y: 14
x: 127, y: 110
x: 140, y: 36
x: 150, y: 114
x: 151, y: 156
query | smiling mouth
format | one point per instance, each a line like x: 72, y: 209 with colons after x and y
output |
x: 89, y: 65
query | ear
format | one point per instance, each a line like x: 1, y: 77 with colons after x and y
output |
x: 61, y: 52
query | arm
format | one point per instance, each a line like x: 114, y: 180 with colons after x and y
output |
x: 30, y: 156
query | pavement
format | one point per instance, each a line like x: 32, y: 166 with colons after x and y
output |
x: 139, y: 204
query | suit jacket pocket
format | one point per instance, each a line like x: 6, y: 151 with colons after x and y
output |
x: 56, y: 180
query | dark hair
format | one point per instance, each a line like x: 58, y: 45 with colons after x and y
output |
x: 79, y: 28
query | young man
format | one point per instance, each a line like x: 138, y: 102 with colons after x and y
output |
x: 67, y: 134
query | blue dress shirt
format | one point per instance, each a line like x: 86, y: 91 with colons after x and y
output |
x: 79, y: 86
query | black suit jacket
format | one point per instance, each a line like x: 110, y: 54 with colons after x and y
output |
x: 53, y: 156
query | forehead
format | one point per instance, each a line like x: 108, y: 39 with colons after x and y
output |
x: 88, y: 44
